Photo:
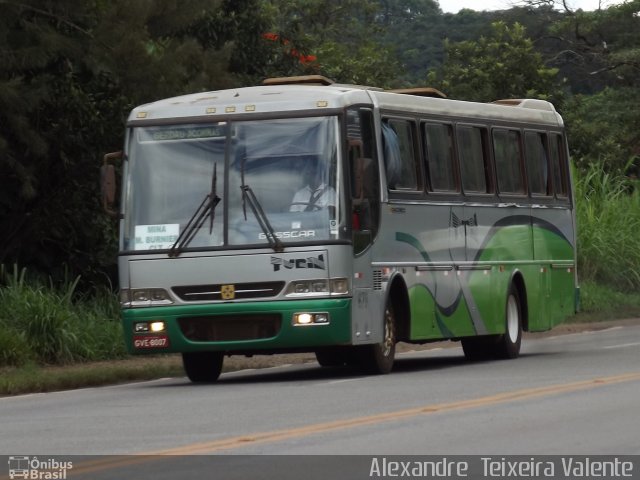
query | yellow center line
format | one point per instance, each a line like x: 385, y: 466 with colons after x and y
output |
x: 279, y: 435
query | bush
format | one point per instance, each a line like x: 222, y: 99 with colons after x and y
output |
x: 608, y: 223
x: 14, y: 348
x: 46, y: 324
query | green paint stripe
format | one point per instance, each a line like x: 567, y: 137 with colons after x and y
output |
x: 413, y: 241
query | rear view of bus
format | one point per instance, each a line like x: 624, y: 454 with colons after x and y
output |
x: 301, y: 216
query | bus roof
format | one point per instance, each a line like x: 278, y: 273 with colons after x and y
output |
x: 311, y: 95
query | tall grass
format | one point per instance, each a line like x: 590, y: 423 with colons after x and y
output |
x: 51, y: 324
x: 608, y: 218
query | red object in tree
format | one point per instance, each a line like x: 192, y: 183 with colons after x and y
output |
x: 304, y: 59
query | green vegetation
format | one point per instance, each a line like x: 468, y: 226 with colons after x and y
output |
x: 48, y: 324
x: 608, y: 217
x: 38, y: 378
x: 602, y: 302
x: 501, y: 65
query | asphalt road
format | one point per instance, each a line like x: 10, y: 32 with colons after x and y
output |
x: 575, y: 394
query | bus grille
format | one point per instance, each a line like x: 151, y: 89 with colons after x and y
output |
x: 230, y: 328
x: 198, y: 293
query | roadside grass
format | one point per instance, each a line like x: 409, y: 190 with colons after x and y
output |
x: 48, y: 324
x: 608, y: 225
x: 600, y: 303
x: 32, y: 378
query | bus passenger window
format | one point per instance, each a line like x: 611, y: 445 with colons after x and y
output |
x: 559, y: 165
x: 472, y: 142
x: 506, y: 149
x: 438, y: 140
x: 535, y: 149
x: 399, y: 153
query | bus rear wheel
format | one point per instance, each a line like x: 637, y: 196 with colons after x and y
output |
x: 379, y: 358
x: 504, y: 346
x: 508, y: 345
x: 202, y: 367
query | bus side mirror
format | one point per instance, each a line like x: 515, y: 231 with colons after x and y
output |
x: 108, y: 185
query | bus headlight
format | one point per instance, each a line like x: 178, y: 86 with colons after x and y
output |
x: 319, y: 318
x: 157, y: 327
x: 149, y: 327
x: 308, y: 287
x: 318, y: 287
x: 144, y: 297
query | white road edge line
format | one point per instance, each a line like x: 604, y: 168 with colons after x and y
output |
x: 622, y: 345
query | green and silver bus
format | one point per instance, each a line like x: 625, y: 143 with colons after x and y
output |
x: 430, y: 219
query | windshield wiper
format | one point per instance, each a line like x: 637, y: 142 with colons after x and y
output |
x: 263, y: 221
x: 207, y: 207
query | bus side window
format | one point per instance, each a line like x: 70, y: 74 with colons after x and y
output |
x: 559, y: 165
x: 508, y: 158
x: 399, y: 154
x: 474, y: 165
x: 535, y: 150
x: 438, y: 143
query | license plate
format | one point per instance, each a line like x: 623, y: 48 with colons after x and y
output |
x: 150, y: 341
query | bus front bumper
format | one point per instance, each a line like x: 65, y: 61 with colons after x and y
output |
x: 256, y: 327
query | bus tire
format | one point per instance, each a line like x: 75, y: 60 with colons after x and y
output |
x: 378, y: 358
x: 508, y: 345
x: 202, y: 367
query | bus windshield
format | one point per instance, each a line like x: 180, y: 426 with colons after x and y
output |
x: 282, y: 172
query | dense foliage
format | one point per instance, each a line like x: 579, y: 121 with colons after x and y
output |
x: 71, y: 71
x: 501, y: 65
x: 47, y: 324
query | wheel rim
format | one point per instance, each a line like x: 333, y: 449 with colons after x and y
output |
x: 513, y: 319
x: 389, y: 334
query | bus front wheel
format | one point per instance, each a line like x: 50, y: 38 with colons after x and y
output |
x: 378, y: 358
x: 202, y: 367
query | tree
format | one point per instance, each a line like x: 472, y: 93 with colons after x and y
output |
x: 502, y: 65
x: 603, y: 130
x: 343, y: 35
x: 596, y: 48
x: 413, y: 31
